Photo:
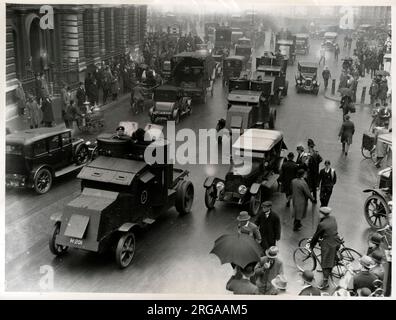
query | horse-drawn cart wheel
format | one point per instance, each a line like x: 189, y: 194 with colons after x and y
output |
x: 125, y: 250
x: 376, y: 211
x: 184, y: 197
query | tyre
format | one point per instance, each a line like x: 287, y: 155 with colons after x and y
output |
x: 125, y: 250
x: 376, y: 211
x: 303, y: 243
x: 303, y: 259
x: 184, y: 197
x: 56, y: 249
x: 82, y: 155
x: 42, y: 181
x: 210, y: 197
x: 255, y: 203
x: 272, y: 118
x: 366, y: 153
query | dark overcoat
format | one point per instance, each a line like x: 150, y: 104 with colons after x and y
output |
x: 300, y: 197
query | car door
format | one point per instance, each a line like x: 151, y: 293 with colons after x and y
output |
x: 40, y: 153
x: 67, y: 148
x: 55, y: 156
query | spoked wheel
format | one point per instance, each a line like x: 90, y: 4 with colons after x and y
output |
x: 56, y: 249
x: 376, y: 211
x: 82, y: 154
x: 125, y: 250
x: 210, y: 197
x: 366, y: 153
x: 303, y: 243
x: 303, y: 259
x: 255, y: 203
x: 43, y: 181
x: 345, y: 257
x: 184, y: 197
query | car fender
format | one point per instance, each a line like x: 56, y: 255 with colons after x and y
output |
x: 378, y: 192
x: 56, y: 217
x: 127, y: 226
x: 254, y: 188
x: 210, y: 181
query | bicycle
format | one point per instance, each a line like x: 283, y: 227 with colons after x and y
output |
x: 306, y: 259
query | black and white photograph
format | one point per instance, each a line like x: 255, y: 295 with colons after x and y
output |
x: 198, y: 148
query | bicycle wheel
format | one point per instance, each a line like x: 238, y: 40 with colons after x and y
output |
x: 349, y: 255
x: 303, y: 259
x: 303, y: 243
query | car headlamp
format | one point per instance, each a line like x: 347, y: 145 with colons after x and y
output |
x: 303, y: 80
x: 220, y: 186
x: 298, y: 81
x: 242, y: 189
x: 266, y: 164
x: 313, y: 81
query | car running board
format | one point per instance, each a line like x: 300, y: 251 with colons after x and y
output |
x: 68, y: 169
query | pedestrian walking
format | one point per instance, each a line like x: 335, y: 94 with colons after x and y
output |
x: 248, y: 227
x: 44, y: 86
x: 373, y: 91
x: 21, y: 98
x: 287, y: 173
x: 115, y: 88
x: 346, y: 133
x: 93, y: 92
x: 269, y: 226
x: 241, y: 284
x: 38, y: 88
x: 326, y: 230
x: 309, y: 288
x: 345, y: 105
x: 71, y: 115
x: 81, y: 95
x: 322, y: 53
x: 353, y: 86
x: 33, y: 112
x: 269, y: 267
x: 300, y: 196
x: 365, y: 278
x: 302, y: 157
x: 383, y: 90
x: 326, y: 76
x: 48, y: 113
x: 336, y: 52
x: 327, y: 180
x: 314, y: 159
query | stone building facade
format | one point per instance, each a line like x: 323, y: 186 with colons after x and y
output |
x: 80, y: 37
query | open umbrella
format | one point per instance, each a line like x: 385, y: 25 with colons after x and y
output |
x: 238, y: 248
x: 383, y: 73
x: 346, y: 92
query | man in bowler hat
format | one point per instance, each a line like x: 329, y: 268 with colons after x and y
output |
x: 269, y: 225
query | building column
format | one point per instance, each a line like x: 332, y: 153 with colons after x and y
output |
x: 91, y: 36
x: 109, y: 31
x: 132, y: 25
x: 102, y: 47
x: 121, y: 28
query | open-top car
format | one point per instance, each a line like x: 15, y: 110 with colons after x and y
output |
x: 255, y: 169
x: 307, y: 77
x: 330, y: 40
x: 122, y: 191
x: 35, y: 157
x: 170, y: 103
x: 302, y: 43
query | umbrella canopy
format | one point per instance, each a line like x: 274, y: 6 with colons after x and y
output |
x: 238, y: 248
x: 346, y: 92
x: 383, y: 73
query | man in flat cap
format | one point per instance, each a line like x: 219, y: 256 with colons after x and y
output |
x: 269, y: 225
x: 327, y: 231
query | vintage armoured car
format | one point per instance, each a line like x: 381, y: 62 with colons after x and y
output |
x: 302, y: 43
x: 306, y: 78
x: 232, y: 67
x: 255, y: 169
x: 169, y: 104
x: 35, y: 157
x: 287, y: 47
x: 120, y: 193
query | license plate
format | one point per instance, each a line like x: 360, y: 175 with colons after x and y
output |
x: 76, y: 242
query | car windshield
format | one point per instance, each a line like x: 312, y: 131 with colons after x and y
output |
x: 307, y: 70
x: 14, y: 149
x: 165, y: 95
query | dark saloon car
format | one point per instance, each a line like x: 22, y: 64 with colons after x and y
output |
x: 307, y: 77
x: 35, y: 157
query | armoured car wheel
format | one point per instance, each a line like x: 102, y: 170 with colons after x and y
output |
x: 210, y: 197
x: 56, y: 249
x: 255, y: 203
x: 184, y: 197
x: 376, y: 211
x: 82, y: 154
x: 272, y: 118
x: 43, y: 181
x: 125, y: 250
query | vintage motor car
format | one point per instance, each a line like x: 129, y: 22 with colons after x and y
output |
x: 251, y: 176
x: 194, y: 72
x: 246, y: 51
x: 376, y: 208
x: 120, y: 194
x: 287, y: 47
x: 232, y: 67
x: 306, y: 77
x: 35, y: 157
x: 302, y: 43
x: 330, y: 40
x: 170, y: 103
